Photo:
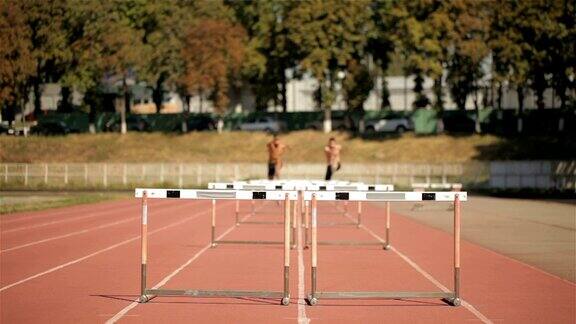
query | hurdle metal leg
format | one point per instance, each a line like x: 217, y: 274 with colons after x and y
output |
x: 455, y: 300
x: 312, y: 298
x: 287, y: 240
x: 306, y: 223
x: 387, y: 244
x: 237, y: 212
x: 359, y: 219
x: 144, y: 249
x: 294, y: 216
x: 213, y: 234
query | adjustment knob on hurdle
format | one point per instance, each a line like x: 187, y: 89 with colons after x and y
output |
x: 453, y: 301
x: 312, y: 301
x: 286, y: 301
x: 143, y: 299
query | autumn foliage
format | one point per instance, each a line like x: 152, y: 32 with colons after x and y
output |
x: 213, y: 53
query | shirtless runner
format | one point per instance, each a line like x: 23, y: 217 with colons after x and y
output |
x: 275, y: 151
x: 332, y: 151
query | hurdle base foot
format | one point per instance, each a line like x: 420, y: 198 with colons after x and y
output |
x: 452, y: 301
x: 144, y: 299
x: 285, y: 300
x: 386, y: 247
x: 213, y: 245
x: 312, y: 300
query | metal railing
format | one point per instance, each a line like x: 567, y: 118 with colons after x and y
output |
x: 505, y: 175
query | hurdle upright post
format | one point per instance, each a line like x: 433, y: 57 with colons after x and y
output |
x: 237, y: 212
x: 213, y: 235
x: 287, y: 240
x: 293, y: 223
x: 312, y: 299
x: 144, y: 248
x: 387, y: 244
x: 456, y: 300
x: 359, y: 219
x: 306, y: 222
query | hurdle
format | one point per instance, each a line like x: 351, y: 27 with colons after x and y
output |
x: 452, y: 298
x: 423, y: 186
x: 358, y: 223
x: 316, y: 185
x: 296, y: 185
x: 145, y: 193
x: 241, y: 185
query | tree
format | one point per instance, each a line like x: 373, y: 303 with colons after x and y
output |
x: 329, y: 34
x: 357, y: 85
x: 213, y: 52
x: 382, y: 43
x: 48, y: 38
x: 420, y: 30
x: 17, y: 62
x: 270, y: 52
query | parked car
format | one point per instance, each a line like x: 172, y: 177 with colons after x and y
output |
x: 338, y: 123
x: 50, y: 128
x: 392, y: 123
x: 133, y: 123
x: 264, y: 123
x: 201, y: 123
x: 5, y: 129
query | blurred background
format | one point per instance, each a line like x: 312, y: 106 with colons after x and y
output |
x: 120, y: 93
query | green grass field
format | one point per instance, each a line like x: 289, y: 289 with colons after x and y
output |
x: 12, y: 202
x: 306, y: 146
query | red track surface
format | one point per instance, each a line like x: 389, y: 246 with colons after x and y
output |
x: 81, y: 264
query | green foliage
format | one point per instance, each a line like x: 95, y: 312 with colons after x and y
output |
x: 160, y: 44
x: 329, y: 34
x: 17, y: 63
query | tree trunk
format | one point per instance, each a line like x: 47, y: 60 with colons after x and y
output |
x: 186, y: 113
x: 438, y: 92
x: 283, y: 91
x: 158, y: 94
x: 539, y: 86
x: 201, y: 97
x: 125, y: 108
x: 500, y: 94
x: 37, y: 96
x: 10, y: 113
x: 65, y: 105
x: 477, y: 127
x: 520, y: 91
x: 385, y: 102
x: 327, y: 125
x: 91, y: 119
x: 327, y: 119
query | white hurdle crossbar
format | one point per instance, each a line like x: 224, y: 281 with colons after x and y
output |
x: 452, y: 298
x: 146, y: 294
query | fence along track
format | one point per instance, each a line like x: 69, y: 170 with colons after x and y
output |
x: 498, y: 174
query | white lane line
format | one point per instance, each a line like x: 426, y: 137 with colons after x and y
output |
x: 77, y: 232
x: 10, y: 219
x: 67, y: 220
x: 302, y: 318
x: 428, y: 276
x: 101, y: 251
x: 87, y: 230
x: 135, y: 303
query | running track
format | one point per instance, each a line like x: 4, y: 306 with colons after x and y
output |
x: 81, y: 265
